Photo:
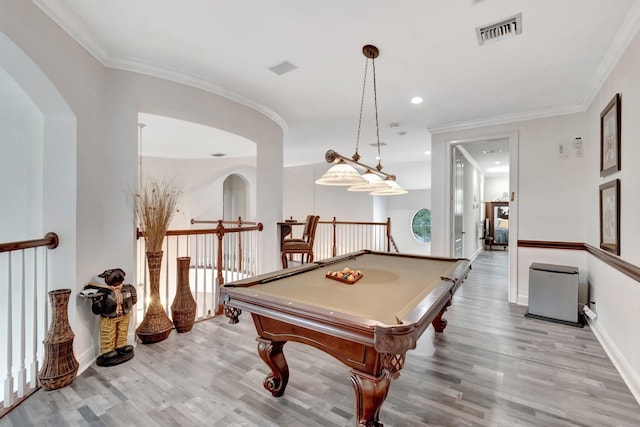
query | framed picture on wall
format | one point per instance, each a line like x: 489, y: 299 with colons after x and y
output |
x: 610, y: 137
x: 610, y: 216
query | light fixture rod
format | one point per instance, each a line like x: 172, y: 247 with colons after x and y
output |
x: 331, y: 156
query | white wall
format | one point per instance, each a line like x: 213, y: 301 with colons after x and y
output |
x: 89, y: 171
x: 21, y: 124
x: 549, y: 185
x: 557, y: 200
x: 202, y: 181
x: 302, y: 196
x: 617, y: 296
x: 495, y: 187
x: 401, y: 210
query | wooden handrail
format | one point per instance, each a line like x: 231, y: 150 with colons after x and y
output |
x: 213, y: 256
x: 50, y: 240
x: 258, y: 227
x: 239, y: 221
x: 334, y: 223
x: 613, y: 261
x: 348, y: 222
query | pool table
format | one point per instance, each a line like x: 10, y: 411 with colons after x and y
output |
x: 368, y: 325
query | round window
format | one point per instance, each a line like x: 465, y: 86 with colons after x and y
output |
x: 421, y: 226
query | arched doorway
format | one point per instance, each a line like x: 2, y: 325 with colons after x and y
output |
x: 38, y: 187
x: 235, y: 197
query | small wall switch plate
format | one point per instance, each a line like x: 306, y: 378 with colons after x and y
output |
x: 562, y: 150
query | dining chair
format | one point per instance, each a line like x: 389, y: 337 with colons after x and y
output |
x: 303, y: 246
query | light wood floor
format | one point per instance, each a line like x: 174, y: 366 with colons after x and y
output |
x: 492, y: 367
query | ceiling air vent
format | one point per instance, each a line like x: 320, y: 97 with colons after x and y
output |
x: 217, y: 155
x: 283, y: 67
x: 500, y: 30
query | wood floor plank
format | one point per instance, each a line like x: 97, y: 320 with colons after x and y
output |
x: 492, y: 367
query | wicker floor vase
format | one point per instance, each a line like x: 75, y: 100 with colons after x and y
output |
x: 183, y: 309
x: 156, y: 325
x: 59, y: 366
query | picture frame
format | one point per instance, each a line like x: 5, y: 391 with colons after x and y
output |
x: 610, y: 137
x: 610, y: 216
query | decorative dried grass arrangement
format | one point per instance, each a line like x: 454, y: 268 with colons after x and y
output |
x: 155, y: 205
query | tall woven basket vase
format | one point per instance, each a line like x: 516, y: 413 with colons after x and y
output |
x: 59, y: 366
x: 156, y: 325
x: 183, y: 309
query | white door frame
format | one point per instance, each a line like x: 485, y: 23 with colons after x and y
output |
x: 513, y: 201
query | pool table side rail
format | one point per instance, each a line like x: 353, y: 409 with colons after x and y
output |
x: 340, y: 324
x: 345, y: 325
x: 426, y: 310
x: 354, y: 255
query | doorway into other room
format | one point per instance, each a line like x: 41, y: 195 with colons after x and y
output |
x: 234, y: 198
x: 483, y: 201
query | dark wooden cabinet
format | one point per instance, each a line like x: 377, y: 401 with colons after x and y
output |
x: 497, y: 223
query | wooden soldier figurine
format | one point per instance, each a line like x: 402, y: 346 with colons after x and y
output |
x: 113, y: 303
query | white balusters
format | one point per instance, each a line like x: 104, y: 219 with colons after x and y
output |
x: 8, y: 382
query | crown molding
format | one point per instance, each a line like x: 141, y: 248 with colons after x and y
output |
x: 69, y: 23
x: 618, y: 46
x: 620, y: 43
x: 177, y: 76
x: 506, y: 118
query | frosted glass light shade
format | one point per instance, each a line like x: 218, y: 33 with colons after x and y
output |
x: 374, y: 182
x: 341, y: 174
x: 392, y: 189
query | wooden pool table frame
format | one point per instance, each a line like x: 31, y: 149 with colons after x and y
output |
x: 375, y: 352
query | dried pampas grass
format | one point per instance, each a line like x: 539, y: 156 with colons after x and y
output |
x: 156, y: 203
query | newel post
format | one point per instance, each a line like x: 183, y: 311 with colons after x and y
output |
x: 220, y: 233
x: 388, y: 234
x: 240, y: 246
x: 334, y: 249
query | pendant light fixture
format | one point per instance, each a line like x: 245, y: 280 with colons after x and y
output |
x: 343, y: 172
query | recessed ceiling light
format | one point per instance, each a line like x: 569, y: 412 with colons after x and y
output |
x: 416, y: 100
x: 499, y: 169
x: 426, y: 153
x: 497, y: 163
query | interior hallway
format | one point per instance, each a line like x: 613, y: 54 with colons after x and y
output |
x: 492, y: 367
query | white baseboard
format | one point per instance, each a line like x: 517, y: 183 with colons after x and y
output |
x: 475, y: 255
x: 86, y: 359
x: 628, y: 375
x: 89, y: 355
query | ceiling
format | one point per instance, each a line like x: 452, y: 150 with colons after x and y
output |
x: 428, y: 48
x: 491, y: 156
x: 163, y: 137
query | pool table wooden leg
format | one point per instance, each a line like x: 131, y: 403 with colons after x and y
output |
x: 370, y: 394
x: 439, y: 323
x: 271, y: 353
